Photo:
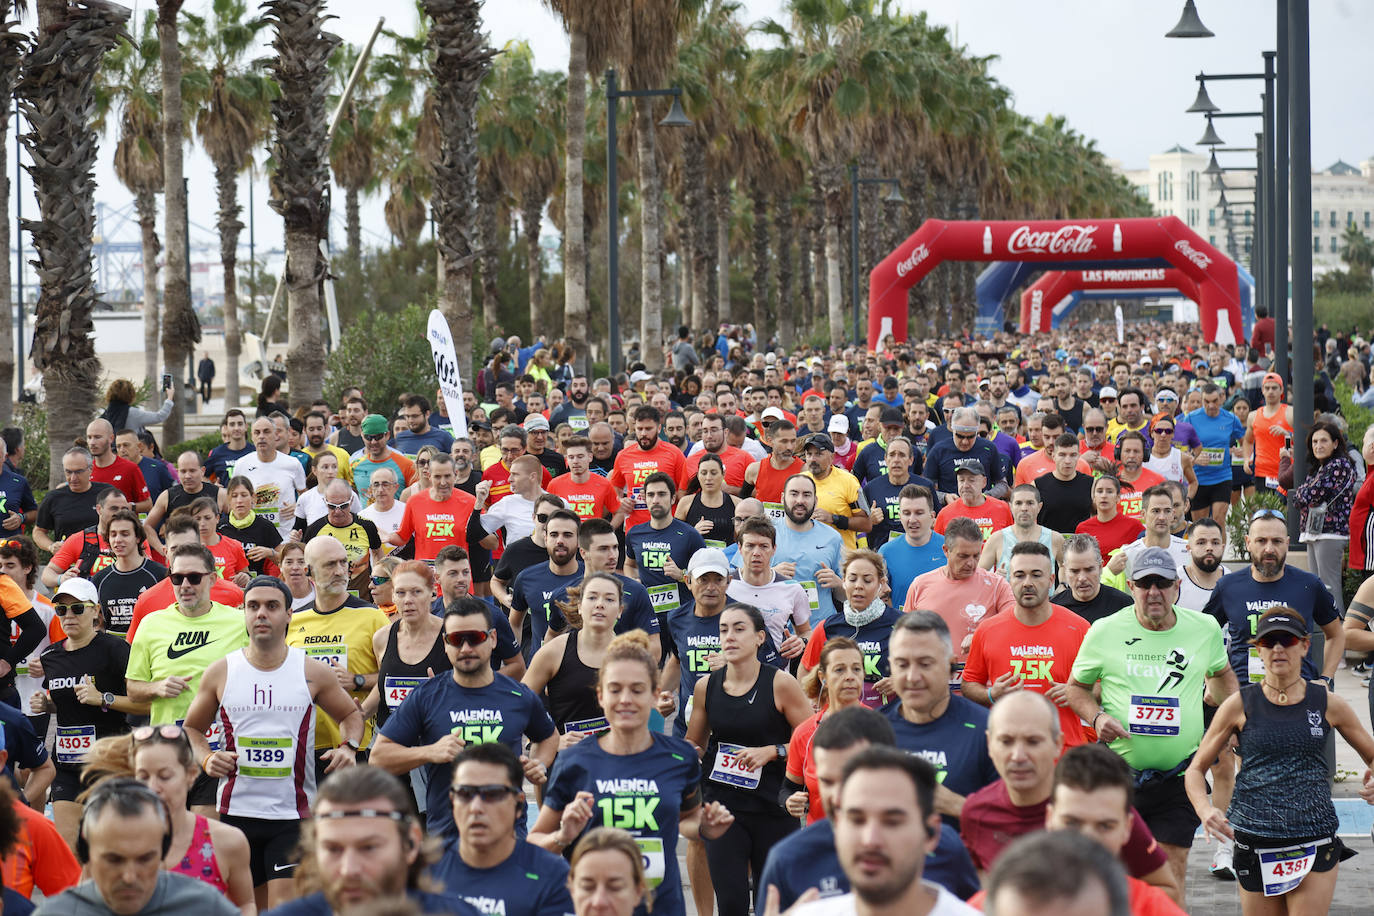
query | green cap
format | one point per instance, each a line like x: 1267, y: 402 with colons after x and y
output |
x: 374, y: 423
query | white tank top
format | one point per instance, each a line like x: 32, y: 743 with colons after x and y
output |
x: 1170, y: 467
x: 269, y: 720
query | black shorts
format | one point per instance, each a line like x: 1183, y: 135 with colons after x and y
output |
x: 204, y: 791
x: 1246, y: 861
x: 272, y: 846
x: 66, y: 783
x: 1211, y: 493
x: 1165, y: 809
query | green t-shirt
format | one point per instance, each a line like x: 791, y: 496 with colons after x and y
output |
x: 169, y: 644
x: 1152, y: 682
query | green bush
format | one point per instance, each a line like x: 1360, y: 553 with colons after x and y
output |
x: 1358, y: 418
x: 33, y: 420
x: 1343, y: 310
x: 1238, y: 520
x: 387, y: 355
x: 200, y: 445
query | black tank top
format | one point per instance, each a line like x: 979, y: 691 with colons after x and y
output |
x: 751, y: 720
x: 722, y: 520
x: 396, y: 678
x: 572, y: 693
x: 178, y: 497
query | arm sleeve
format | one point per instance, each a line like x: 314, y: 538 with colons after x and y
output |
x: 31, y: 633
x: 140, y: 417
x: 54, y: 867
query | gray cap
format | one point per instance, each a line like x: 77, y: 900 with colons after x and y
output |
x: 1153, y: 561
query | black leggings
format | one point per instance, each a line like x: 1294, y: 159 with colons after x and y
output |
x: 744, y: 849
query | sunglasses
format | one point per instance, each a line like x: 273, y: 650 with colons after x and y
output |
x: 1270, y: 640
x: 10, y: 544
x: 380, y: 580
x: 193, y: 578
x: 1267, y: 513
x: 1162, y: 431
x: 460, y: 638
x: 1158, y: 582
x: 741, y: 519
x: 1094, y: 429
x: 422, y: 463
x: 543, y: 518
x: 374, y: 437
x: 75, y: 610
x: 490, y: 794
x: 1106, y: 399
x: 146, y: 732
x: 333, y: 507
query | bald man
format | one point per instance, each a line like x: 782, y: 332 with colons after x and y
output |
x: 108, y: 467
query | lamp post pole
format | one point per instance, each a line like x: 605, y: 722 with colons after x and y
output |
x: 1281, y: 66
x: 1300, y: 161
x: 854, y: 182
x: 675, y: 118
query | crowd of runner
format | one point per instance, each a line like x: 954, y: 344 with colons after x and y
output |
x: 930, y: 630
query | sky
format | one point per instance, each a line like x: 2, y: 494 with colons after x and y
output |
x: 1106, y: 66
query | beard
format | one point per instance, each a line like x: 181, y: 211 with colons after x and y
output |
x: 1207, y: 564
x: 579, y: 397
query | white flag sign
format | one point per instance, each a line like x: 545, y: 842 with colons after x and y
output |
x: 446, y: 368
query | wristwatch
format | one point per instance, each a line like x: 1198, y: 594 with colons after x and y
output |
x: 359, y: 682
x: 352, y: 745
x: 781, y: 750
x: 108, y: 699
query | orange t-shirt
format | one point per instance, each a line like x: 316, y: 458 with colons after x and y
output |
x: 634, y: 465
x: 593, y: 499
x: 992, y: 515
x: 736, y: 461
x: 801, y: 765
x: 40, y: 857
x: 962, y: 603
x: 230, y: 560
x: 436, y: 525
x: 1146, y: 900
x: 1132, y: 499
x: 1038, y: 464
x: 1267, y: 443
x: 1040, y: 656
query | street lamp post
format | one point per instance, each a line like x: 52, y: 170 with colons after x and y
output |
x: 894, y: 197
x: 675, y: 118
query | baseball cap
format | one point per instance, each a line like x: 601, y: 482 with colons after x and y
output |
x: 1154, y: 561
x: 1107, y: 392
x: 892, y: 416
x: 82, y: 590
x: 928, y: 366
x: 535, y: 422
x: 1272, y: 377
x: 821, y: 441
x: 968, y: 466
x: 1146, y: 361
x: 1281, y: 623
x: 480, y: 424
x: 374, y: 424
x: 711, y: 559
x: 639, y: 375
x: 773, y: 413
x: 770, y: 358
x: 498, y: 343
x: 838, y: 424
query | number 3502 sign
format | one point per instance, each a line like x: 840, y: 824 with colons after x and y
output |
x: 446, y: 368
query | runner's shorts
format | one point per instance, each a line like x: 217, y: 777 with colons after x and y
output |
x: 1247, y: 864
x: 271, y: 846
x: 1212, y: 493
x: 1165, y: 809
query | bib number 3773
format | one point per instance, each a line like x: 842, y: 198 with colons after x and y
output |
x: 1154, y: 716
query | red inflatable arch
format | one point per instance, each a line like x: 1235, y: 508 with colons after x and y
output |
x: 1041, y: 297
x: 1165, y: 238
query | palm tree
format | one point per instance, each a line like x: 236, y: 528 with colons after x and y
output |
x: 129, y: 80
x: 231, y: 124
x: 300, y: 182
x: 56, y: 94
x: 460, y: 61
x: 595, y: 29
x: 12, y: 46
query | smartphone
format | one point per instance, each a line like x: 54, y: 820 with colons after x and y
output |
x: 166, y: 380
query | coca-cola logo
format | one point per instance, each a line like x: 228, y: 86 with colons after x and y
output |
x: 913, y: 260
x: 1185, y: 248
x: 1071, y: 239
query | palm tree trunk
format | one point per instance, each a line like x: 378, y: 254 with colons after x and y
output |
x: 651, y: 242
x: 710, y: 258
x: 488, y: 220
x: 7, y: 357
x: 227, y: 187
x: 820, y: 314
x: 574, y: 232
x: 145, y: 204
x: 787, y: 315
x: 763, y: 320
x: 181, y: 329
x: 532, y: 220
x: 834, y: 296
x: 353, y: 225
x: 723, y: 214
x: 805, y: 246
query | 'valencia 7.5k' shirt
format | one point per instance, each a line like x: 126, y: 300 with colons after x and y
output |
x: 633, y: 466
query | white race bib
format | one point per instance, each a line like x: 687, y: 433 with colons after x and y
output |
x: 266, y: 758
x: 1154, y: 716
x: 1283, y: 869
x: 813, y: 594
x: 335, y: 654
x: 730, y: 770
x: 664, y: 598
x: 396, y: 689
x: 775, y: 512
x: 651, y: 850
x: 1254, y: 666
x: 1214, y: 456
x: 73, y: 743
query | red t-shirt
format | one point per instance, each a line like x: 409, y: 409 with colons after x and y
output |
x: 992, y: 515
x: 634, y: 465
x: 594, y: 499
x: 736, y: 460
x: 1146, y: 900
x: 436, y: 525
x: 69, y: 552
x: 1041, y: 656
x: 124, y: 476
x: 1119, y: 532
x: 1131, y: 501
x: 801, y: 765
x: 230, y: 560
x: 989, y: 822
x: 162, y: 595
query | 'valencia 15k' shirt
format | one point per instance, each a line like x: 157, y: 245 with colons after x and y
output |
x: 532, y: 593
x: 1238, y: 602
x: 531, y: 882
x: 956, y: 744
x: 504, y: 711
x: 170, y: 644
x: 651, y: 548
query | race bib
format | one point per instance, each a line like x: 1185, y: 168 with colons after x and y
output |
x: 586, y: 726
x: 1214, y: 456
x: 579, y: 423
x: 730, y: 770
x: 1154, y: 716
x: 396, y: 689
x: 813, y: 594
x: 74, y: 743
x: 719, y: 545
x: 637, y: 494
x: 266, y: 758
x: 651, y: 851
x: 775, y: 512
x: 335, y: 654
x: 1254, y: 666
x: 871, y: 697
x: 1283, y: 869
x: 664, y: 598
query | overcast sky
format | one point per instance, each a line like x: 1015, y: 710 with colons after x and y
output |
x: 1105, y: 65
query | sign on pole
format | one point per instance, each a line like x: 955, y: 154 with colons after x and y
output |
x: 446, y: 368
x: 1120, y: 325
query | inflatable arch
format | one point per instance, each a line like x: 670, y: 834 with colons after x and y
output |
x: 1059, y: 244
x: 1046, y: 301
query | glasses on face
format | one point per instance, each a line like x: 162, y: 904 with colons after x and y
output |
x: 374, y: 437
x: 1150, y: 582
x: 334, y: 507
x: 1270, y: 640
x: 741, y: 519
x: 75, y: 610
x: 1163, y: 431
x: 1094, y: 429
x: 146, y: 732
x: 1267, y: 513
x: 490, y: 794
x: 460, y: 638
x: 384, y: 484
x: 194, y: 578
x: 1113, y: 400
x: 380, y: 580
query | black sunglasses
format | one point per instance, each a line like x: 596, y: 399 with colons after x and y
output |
x: 75, y: 610
x: 1094, y: 429
x: 1158, y: 582
x: 377, y: 437
x: 490, y: 794
x: 194, y: 578
x: 1269, y: 640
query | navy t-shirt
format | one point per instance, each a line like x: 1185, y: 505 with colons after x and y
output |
x: 694, y: 638
x: 27, y: 751
x: 871, y: 463
x: 872, y: 638
x: 409, y: 443
x: 956, y: 744
x: 506, y: 646
x: 221, y: 461
x: 446, y: 904
x: 883, y: 493
x: 1238, y: 602
x: 642, y: 793
x: 532, y: 882
x: 532, y: 593
x: 503, y: 711
x: 15, y: 494
x: 651, y: 549
x: 940, y: 466
x: 807, y: 859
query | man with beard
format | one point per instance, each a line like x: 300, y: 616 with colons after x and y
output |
x: 1085, y: 594
x: 1001, y: 544
x: 573, y: 411
x: 839, y: 501
x: 466, y: 476
x: 1065, y: 403
x: 535, y: 586
x: 316, y: 430
x: 735, y: 460
x: 1200, y: 574
x: 675, y: 430
x: 764, y: 479
x: 647, y: 456
x: 1217, y: 430
x: 657, y: 551
x: 817, y: 550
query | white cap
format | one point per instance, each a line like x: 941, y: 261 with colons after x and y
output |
x: 639, y: 375
x: 711, y: 559
x: 773, y: 412
x: 1107, y: 392
x: 82, y: 590
x: 839, y: 424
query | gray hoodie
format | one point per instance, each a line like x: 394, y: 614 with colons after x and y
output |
x: 174, y: 894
